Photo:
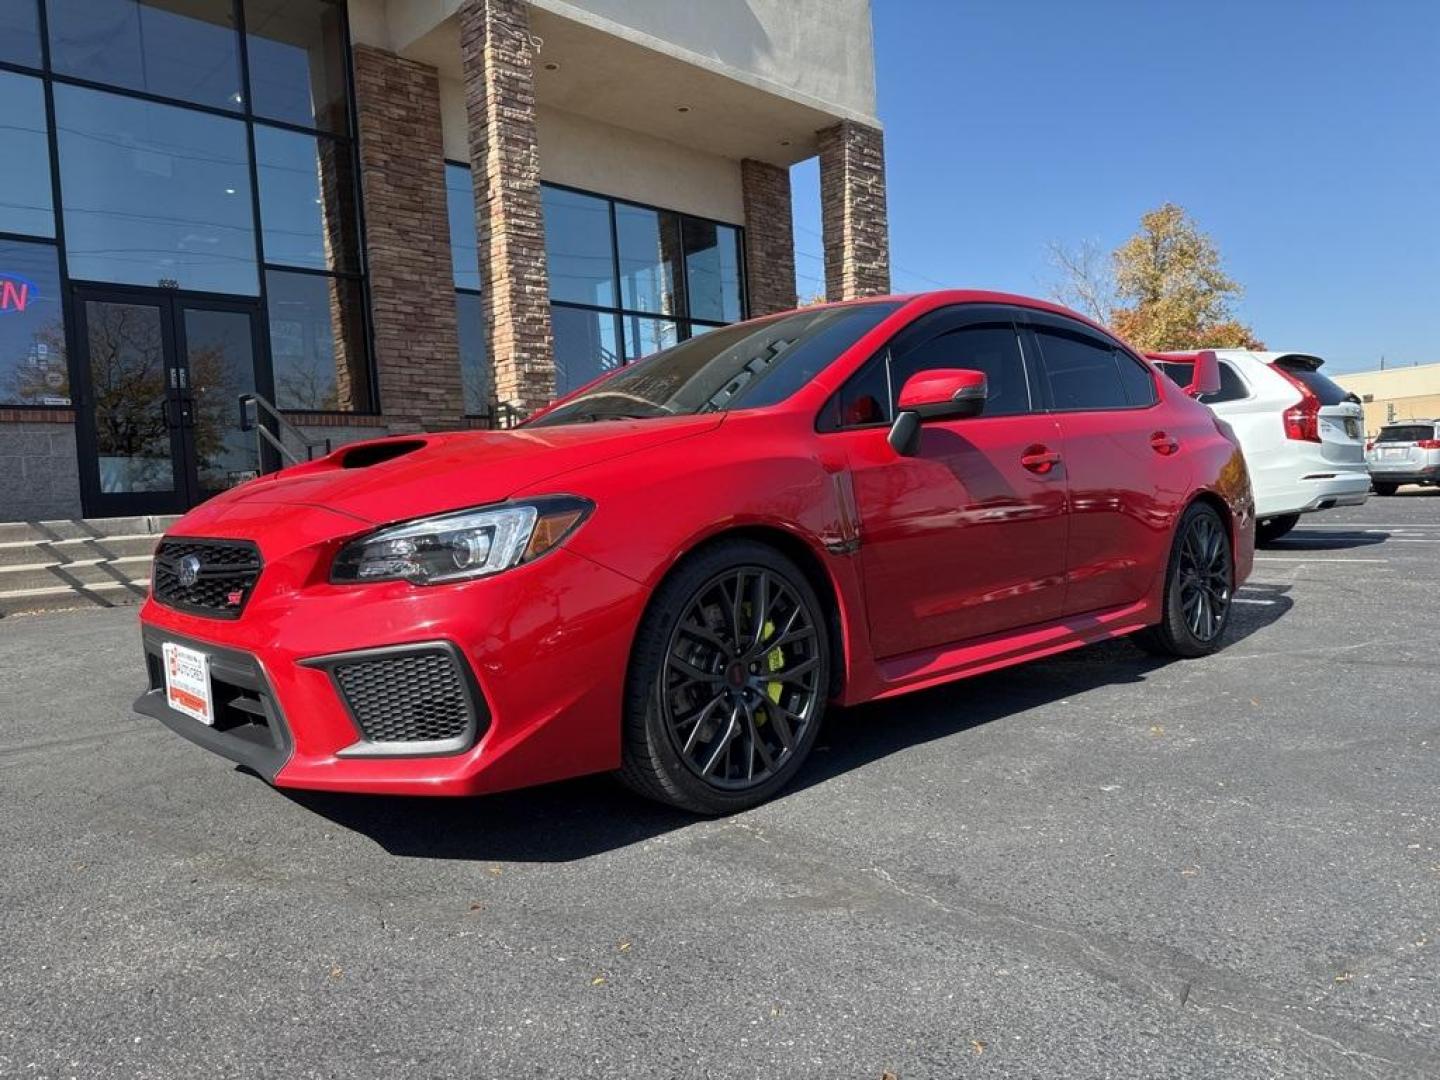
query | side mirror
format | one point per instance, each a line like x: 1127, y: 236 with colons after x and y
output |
x: 1205, y: 379
x: 940, y: 394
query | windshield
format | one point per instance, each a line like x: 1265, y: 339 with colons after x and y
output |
x: 744, y: 366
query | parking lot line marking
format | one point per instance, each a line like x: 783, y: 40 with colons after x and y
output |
x: 1247, y: 600
x: 1312, y: 559
x: 1367, y: 527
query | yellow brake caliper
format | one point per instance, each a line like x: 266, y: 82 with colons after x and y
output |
x: 774, y: 661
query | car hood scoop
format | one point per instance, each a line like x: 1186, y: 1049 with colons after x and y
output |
x: 408, y: 476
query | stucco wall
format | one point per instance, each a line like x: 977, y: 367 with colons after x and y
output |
x: 615, y: 161
x: 818, y: 51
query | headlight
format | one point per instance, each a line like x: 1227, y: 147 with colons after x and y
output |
x: 455, y: 547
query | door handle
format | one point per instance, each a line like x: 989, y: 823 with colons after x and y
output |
x: 1164, y: 444
x: 1039, y: 459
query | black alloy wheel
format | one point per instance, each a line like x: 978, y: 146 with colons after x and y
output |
x: 1205, y: 577
x: 741, y: 678
x: 729, y: 681
x: 1199, y: 587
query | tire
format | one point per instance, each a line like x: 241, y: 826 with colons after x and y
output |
x: 1271, y: 529
x: 1199, y: 572
x: 728, y: 681
x: 1385, y: 489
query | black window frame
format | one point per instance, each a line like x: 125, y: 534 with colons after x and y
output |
x: 963, y: 315
x: 244, y: 113
x: 1033, y: 320
x: 684, y: 322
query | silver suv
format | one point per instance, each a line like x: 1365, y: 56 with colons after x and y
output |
x: 1406, y: 452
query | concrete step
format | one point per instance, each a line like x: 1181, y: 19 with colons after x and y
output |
x: 55, y: 575
x: 24, y: 553
x: 97, y: 562
x: 14, y: 532
x: 27, y: 601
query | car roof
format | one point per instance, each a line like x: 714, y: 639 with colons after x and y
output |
x: 940, y: 297
x: 1408, y: 423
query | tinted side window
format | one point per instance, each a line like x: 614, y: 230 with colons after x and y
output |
x: 1082, y: 373
x: 1232, y: 387
x: 868, y: 398
x: 1137, y: 379
x: 989, y: 347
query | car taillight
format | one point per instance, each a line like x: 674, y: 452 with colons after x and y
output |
x: 1370, y: 445
x: 1429, y: 444
x: 1302, y: 421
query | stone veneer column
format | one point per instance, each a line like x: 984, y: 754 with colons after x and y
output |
x: 852, y: 207
x: 407, y: 235
x: 495, y: 56
x: 769, y: 236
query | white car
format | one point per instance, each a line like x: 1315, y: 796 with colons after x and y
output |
x: 1303, y: 436
x: 1405, y: 452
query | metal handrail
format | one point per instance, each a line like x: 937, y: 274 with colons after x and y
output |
x: 251, y: 408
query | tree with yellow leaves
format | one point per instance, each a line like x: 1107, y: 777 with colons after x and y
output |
x: 1166, y: 286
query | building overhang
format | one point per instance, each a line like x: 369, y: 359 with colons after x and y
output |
x: 615, y: 74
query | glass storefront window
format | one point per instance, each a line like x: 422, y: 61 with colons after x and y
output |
x: 186, y: 49
x: 712, y: 270
x: 474, y: 363
x: 20, y: 32
x: 307, y: 201
x: 154, y: 194
x: 644, y: 336
x: 578, y: 247
x: 649, y: 248
x: 464, y: 246
x: 26, y: 203
x: 317, y: 342
x: 296, y: 51
x: 33, y: 369
x: 586, y: 346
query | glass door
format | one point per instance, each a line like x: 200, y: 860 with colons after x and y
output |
x: 216, y: 346
x: 160, y: 375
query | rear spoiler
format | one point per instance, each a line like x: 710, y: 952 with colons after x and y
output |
x: 1204, y: 373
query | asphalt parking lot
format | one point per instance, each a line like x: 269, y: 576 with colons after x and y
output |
x: 1093, y: 866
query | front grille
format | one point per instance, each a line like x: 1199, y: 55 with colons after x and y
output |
x: 414, y: 696
x: 225, y: 572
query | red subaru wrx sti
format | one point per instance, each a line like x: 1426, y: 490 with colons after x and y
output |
x: 673, y: 571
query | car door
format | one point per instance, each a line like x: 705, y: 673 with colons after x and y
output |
x: 1126, y: 472
x: 966, y: 537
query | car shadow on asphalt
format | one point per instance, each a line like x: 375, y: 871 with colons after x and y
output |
x: 579, y: 818
x: 1335, y: 538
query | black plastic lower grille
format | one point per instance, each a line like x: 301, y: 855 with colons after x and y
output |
x: 206, y: 577
x: 413, y: 696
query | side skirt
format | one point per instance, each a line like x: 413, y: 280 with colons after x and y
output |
x: 919, y: 670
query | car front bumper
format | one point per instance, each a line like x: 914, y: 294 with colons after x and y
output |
x: 543, y: 650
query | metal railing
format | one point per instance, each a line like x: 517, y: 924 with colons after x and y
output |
x: 254, y: 412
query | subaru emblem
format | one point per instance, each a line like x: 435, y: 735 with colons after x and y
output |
x: 187, y: 570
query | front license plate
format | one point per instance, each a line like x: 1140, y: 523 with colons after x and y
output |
x: 1352, y: 428
x: 187, y: 682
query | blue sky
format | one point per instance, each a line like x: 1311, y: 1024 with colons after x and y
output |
x: 1303, y: 135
